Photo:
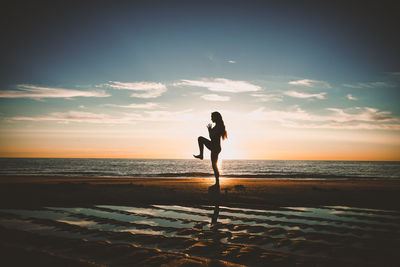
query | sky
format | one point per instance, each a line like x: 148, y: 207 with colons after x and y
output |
x: 293, y: 80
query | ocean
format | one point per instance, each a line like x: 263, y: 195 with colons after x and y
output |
x: 271, y: 169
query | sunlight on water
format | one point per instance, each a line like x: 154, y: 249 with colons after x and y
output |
x: 88, y: 224
x: 175, y: 207
x: 143, y: 231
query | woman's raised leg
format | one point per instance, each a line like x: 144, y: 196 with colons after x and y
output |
x: 202, y: 142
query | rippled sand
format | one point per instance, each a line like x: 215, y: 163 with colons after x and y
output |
x: 199, y: 235
x: 177, y: 223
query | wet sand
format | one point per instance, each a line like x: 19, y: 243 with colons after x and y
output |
x: 23, y: 191
x: 153, y: 221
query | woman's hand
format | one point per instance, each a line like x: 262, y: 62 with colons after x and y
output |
x: 209, y: 126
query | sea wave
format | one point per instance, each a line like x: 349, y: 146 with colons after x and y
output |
x: 270, y: 176
x: 268, y: 169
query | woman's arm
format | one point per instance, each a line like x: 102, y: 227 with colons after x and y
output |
x: 209, y: 127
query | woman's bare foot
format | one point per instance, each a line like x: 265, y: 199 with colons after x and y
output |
x: 198, y: 156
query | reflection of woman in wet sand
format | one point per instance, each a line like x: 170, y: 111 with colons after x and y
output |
x: 216, y: 133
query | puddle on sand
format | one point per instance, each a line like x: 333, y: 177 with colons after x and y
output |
x: 160, y: 211
x: 310, y: 216
x: 139, y: 218
x: 228, y: 225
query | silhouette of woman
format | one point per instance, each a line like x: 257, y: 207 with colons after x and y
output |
x: 214, y: 145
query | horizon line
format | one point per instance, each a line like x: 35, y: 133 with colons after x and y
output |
x: 195, y: 159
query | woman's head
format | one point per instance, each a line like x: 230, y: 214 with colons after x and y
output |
x: 217, y: 118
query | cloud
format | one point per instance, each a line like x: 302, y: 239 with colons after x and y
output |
x: 352, y: 118
x: 368, y: 85
x: 351, y: 97
x: 346, y: 126
x: 395, y: 74
x: 361, y: 114
x: 161, y: 115
x: 268, y: 97
x: 304, y: 95
x: 37, y: 92
x: 310, y: 83
x: 231, y: 61
x: 214, y: 97
x: 77, y: 116
x: 88, y: 117
x: 144, y: 89
x: 221, y: 85
x: 295, y: 113
x: 148, y: 105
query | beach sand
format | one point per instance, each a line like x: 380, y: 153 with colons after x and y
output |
x: 91, y: 221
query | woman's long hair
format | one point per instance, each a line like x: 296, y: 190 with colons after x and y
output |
x: 220, y: 123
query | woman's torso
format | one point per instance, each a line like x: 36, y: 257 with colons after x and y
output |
x: 215, y: 136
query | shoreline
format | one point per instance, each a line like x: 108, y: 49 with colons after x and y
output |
x: 40, y: 177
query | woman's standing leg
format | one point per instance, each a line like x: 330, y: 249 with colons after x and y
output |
x: 214, y: 161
